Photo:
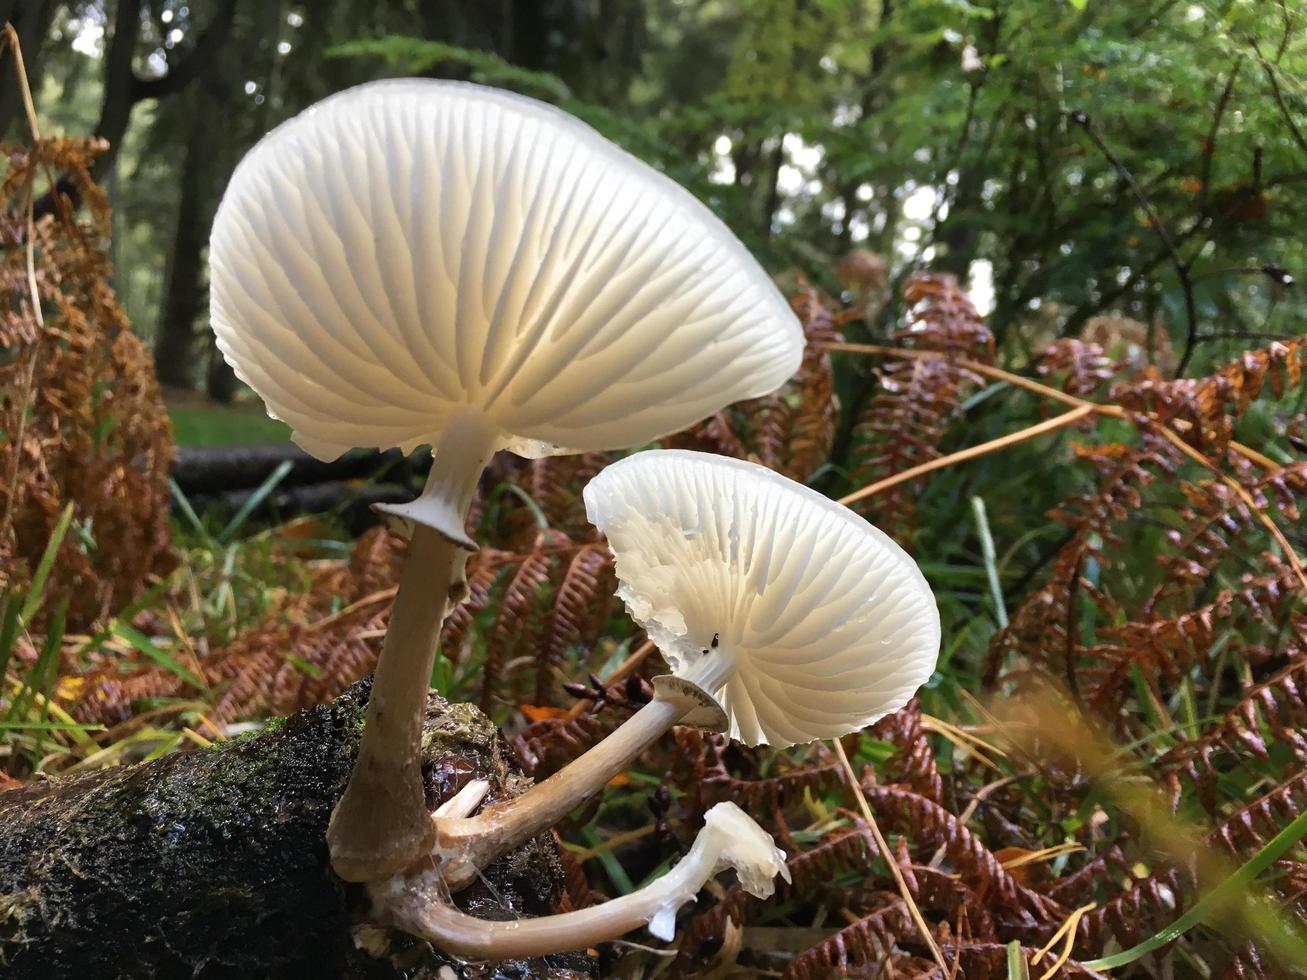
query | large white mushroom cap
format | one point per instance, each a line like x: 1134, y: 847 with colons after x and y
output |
x: 831, y: 625
x: 410, y: 248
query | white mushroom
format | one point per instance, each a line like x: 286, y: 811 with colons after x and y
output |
x: 416, y: 261
x: 784, y: 616
x: 729, y: 839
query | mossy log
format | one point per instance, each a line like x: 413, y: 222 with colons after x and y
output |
x: 213, y: 864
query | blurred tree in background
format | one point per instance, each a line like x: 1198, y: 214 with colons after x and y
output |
x: 1068, y: 158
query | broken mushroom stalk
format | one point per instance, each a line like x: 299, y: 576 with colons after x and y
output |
x: 418, y: 903
x: 417, y: 262
x: 784, y: 616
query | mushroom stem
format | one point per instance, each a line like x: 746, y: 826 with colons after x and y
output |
x: 711, y: 671
x: 728, y: 839
x: 465, y: 447
x: 381, y: 824
x: 465, y: 845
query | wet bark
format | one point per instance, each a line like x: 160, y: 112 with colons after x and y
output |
x: 214, y: 863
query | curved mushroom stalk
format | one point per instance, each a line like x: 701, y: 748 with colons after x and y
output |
x: 465, y: 845
x: 728, y: 839
x: 381, y: 825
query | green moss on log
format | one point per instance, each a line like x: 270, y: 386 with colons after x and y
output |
x: 213, y: 864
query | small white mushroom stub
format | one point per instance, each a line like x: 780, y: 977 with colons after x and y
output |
x: 802, y: 620
x: 729, y: 839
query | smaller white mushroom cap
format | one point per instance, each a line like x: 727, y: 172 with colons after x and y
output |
x: 830, y: 624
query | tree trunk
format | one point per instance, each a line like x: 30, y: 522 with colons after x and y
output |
x: 960, y: 233
x: 183, y: 285
x: 220, y: 381
x: 119, y: 83
x: 123, y: 88
x: 31, y: 19
x: 214, y: 863
x: 214, y: 469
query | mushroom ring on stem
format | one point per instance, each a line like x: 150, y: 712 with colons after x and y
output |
x: 418, y: 262
x: 417, y: 902
x: 784, y: 616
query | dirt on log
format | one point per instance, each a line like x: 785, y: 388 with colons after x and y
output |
x: 213, y: 864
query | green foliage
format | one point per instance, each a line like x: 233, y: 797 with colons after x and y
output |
x: 937, y: 133
x: 834, y: 114
x: 415, y: 56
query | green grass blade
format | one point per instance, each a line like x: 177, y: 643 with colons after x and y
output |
x: 169, y: 742
x: 991, y: 560
x: 1229, y: 890
x: 492, y: 499
x: 255, y: 499
x: 1016, y: 962
x: 187, y: 510
x: 41, y: 675
x: 312, y: 669
x: 163, y: 658
x: 145, y: 599
x: 47, y: 726
x: 9, y: 608
x: 37, y: 590
x: 47, y: 664
x: 612, y: 867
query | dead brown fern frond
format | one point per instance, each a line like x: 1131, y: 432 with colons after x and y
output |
x: 1151, y: 902
x: 792, y: 429
x: 1273, y: 712
x: 841, y: 854
x: 866, y: 944
x: 905, y: 423
x: 1208, y: 407
x: 545, y: 746
x: 927, y: 821
x: 519, y: 617
x: 302, y: 654
x: 1081, y: 366
x: 713, y: 435
x: 781, y: 787
x: 580, y: 610
x: 913, y: 766
x: 81, y: 412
